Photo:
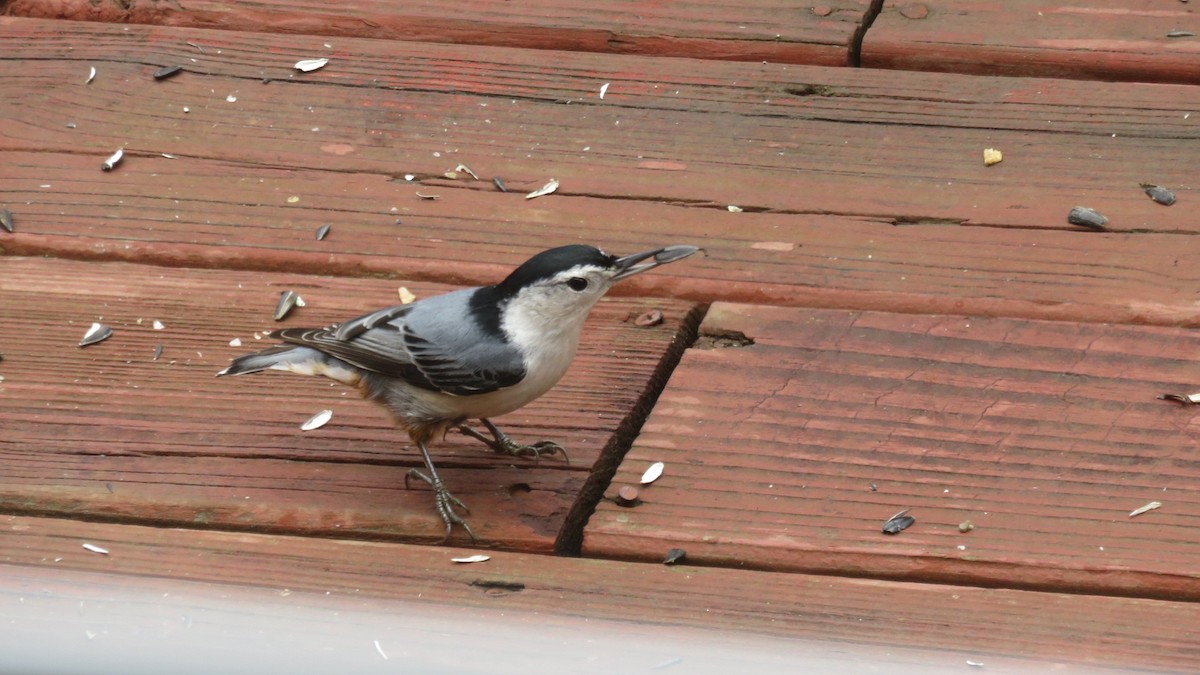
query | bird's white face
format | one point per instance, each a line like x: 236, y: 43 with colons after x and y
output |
x: 556, y: 304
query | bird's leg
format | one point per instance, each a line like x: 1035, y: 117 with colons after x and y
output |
x: 501, y: 443
x: 444, y: 501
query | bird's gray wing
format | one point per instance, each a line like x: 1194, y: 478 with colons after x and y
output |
x: 432, y: 344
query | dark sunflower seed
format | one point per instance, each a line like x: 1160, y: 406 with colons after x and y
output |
x: 1180, y: 33
x: 97, y: 333
x: 674, y: 555
x: 1081, y: 215
x: 157, y: 352
x: 167, y: 71
x: 322, y: 231
x: 1189, y: 399
x: 6, y: 219
x: 1159, y: 194
x: 898, y: 523
x: 499, y: 184
x: 287, y: 301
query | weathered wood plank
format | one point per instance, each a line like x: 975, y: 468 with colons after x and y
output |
x: 994, y: 626
x: 826, y: 173
x: 771, y: 30
x: 789, y: 454
x: 1102, y: 39
x: 107, y: 432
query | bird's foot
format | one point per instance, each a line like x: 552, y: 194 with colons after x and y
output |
x: 443, y: 501
x: 502, y: 444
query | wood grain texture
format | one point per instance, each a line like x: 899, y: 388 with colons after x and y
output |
x: 771, y: 30
x: 1102, y: 39
x: 861, y: 189
x: 1044, y: 435
x: 1006, y: 629
x: 106, y: 432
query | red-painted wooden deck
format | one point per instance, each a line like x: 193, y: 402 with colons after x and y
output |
x: 885, y: 324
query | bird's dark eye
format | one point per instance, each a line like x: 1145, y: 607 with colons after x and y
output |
x: 577, y: 284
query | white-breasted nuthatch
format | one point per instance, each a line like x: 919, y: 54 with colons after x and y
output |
x: 470, y: 354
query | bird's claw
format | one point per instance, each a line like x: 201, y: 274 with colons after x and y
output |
x: 444, y: 502
x: 504, y: 445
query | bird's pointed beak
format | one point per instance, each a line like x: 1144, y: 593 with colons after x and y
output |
x: 637, y: 263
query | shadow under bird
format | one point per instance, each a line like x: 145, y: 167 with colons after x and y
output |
x: 475, y: 353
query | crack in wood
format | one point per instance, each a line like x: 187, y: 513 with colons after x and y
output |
x: 570, y: 538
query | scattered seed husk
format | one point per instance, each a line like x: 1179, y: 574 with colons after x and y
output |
x: 992, y: 156
x: 499, y: 183
x: 235, y: 342
x: 467, y: 170
x: 544, y: 190
x: 873, y: 487
x: 157, y: 325
x: 975, y: 664
x: 6, y: 219
x: 1180, y: 33
x: 406, y: 296
x: 309, y: 65
x: 1159, y: 194
x: 1082, y: 215
x: 157, y: 351
x: 899, y: 522
x: 379, y: 648
x: 96, y: 549
x: 653, y: 473
x: 167, y: 155
x: 966, y: 526
x: 604, y: 90
x: 91, y: 75
x: 317, y: 421
x: 429, y: 197
x: 1142, y: 509
x: 674, y: 555
x: 167, y: 71
x: 287, y: 301
x: 477, y: 558
x: 1192, y: 399
x: 111, y: 163
x: 734, y: 209
x: 322, y: 231
x: 97, y: 333
x: 627, y: 496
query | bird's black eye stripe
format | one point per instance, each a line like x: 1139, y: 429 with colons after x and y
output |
x: 577, y: 283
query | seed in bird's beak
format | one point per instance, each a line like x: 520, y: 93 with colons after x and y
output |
x: 97, y: 333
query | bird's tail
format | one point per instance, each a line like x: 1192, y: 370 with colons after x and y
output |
x: 297, y: 359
